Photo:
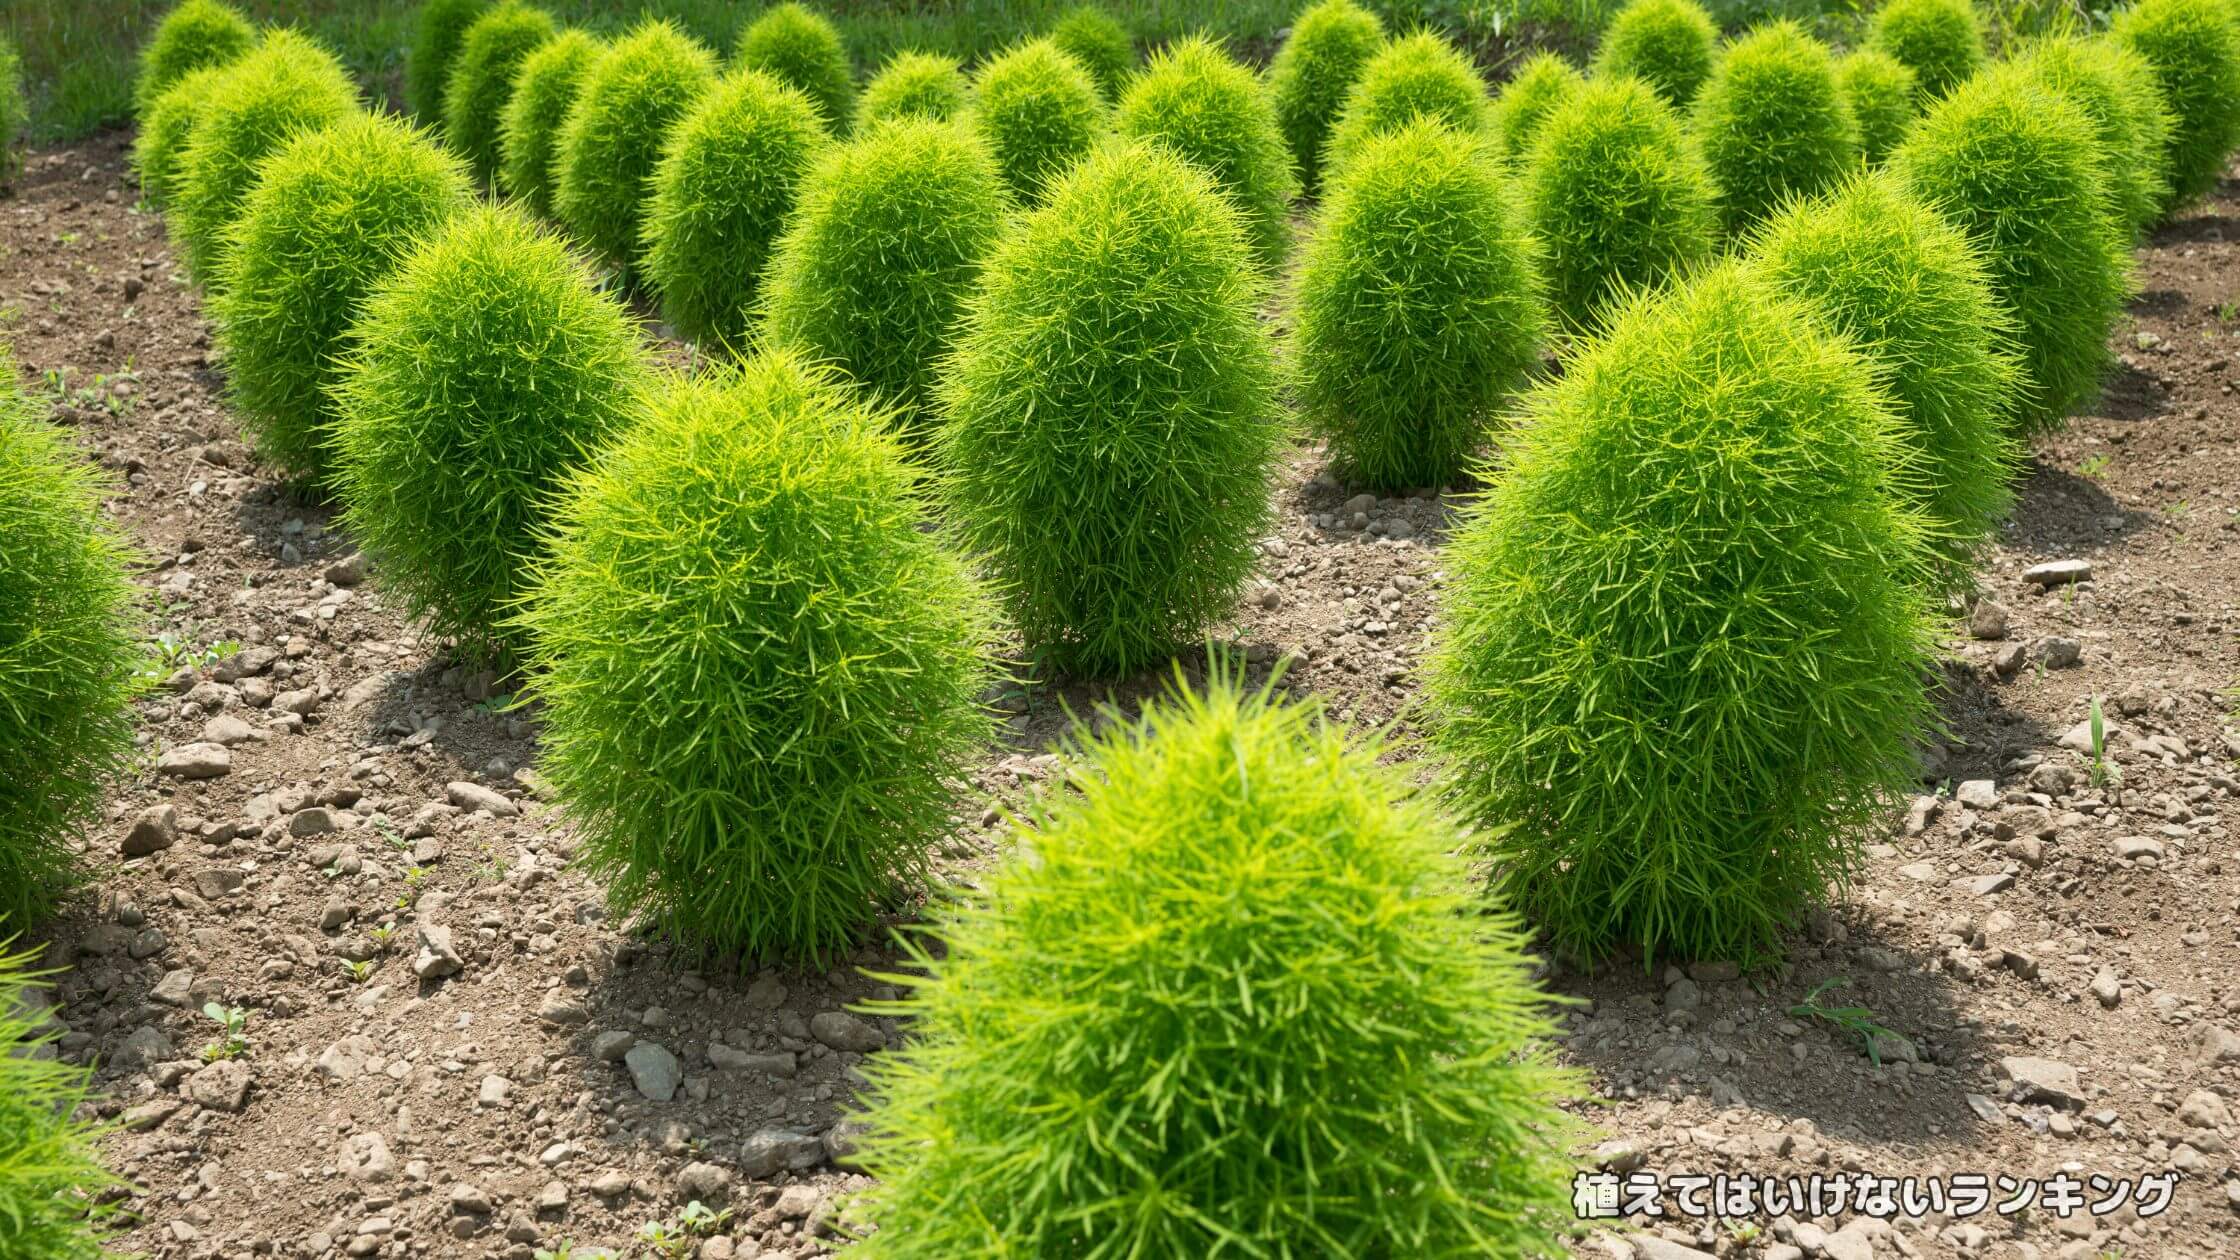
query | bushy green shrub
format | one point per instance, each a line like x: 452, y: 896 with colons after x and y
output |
x: 914, y: 85
x: 1111, y: 417
x: 1329, y: 47
x: 330, y: 217
x: 1210, y: 111
x: 1039, y: 111
x: 196, y: 33
x: 285, y: 86
x: 728, y: 179
x: 529, y: 131
x: 15, y: 111
x: 875, y: 263
x: 795, y: 46
x: 1542, y: 83
x: 480, y: 373
x: 613, y: 136
x: 69, y: 655
x: 1184, y: 960
x: 438, y: 29
x: 1884, y: 96
x: 1419, y: 74
x: 1941, y: 41
x: 2015, y: 166
x: 1683, y: 647
x: 1774, y: 123
x: 1913, y: 295
x: 164, y: 130
x: 756, y: 755
x: 482, y: 79
x: 1668, y: 44
x: 2195, y: 54
x: 1419, y: 308
x: 2116, y: 90
x: 1100, y: 43
x: 50, y: 1166
x: 1617, y: 195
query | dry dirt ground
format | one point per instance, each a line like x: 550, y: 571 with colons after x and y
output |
x: 452, y: 1050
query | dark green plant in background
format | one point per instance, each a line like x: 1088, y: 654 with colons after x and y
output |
x: 613, y: 136
x: 1941, y: 41
x: 1542, y: 83
x: 1039, y: 111
x: 1885, y: 99
x: 797, y: 46
x: 164, y: 129
x: 1330, y: 45
x: 482, y: 79
x: 197, y: 33
x: 51, y: 1174
x: 529, y: 131
x: 1207, y: 109
x: 438, y: 28
x: 2194, y: 51
x: 1097, y: 40
x: 1668, y: 44
x: 2116, y: 90
x: 1418, y: 74
x: 14, y: 111
x: 914, y: 85
x: 1774, y: 123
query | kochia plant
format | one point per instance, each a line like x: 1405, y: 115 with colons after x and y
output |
x: 614, y: 133
x: 914, y: 85
x: 15, y: 110
x: 1774, y: 123
x: 196, y: 33
x: 51, y: 1175
x: 1207, y: 109
x: 1683, y: 650
x: 482, y: 79
x: 756, y: 755
x: 798, y: 47
x: 1419, y: 308
x: 2194, y: 50
x: 1419, y: 74
x: 529, y: 131
x: 1329, y: 47
x: 1668, y: 44
x: 1184, y: 960
x: 2116, y: 90
x: 1111, y: 417
x: 1884, y: 99
x: 1542, y: 83
x: 1039, y: 111
x: 1941, y: 41
x: 437, y: 31
x: 1100, y: 43
x: 164, y: 129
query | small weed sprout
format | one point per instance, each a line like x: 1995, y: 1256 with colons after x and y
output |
x: 233, y: 1026
x: 1859, y: 1021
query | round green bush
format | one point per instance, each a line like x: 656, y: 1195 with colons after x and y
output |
x: 1174, y: 1001
x: 1774, y: 123
x: 1542, y: 83
x: 798, y: 47
x: 1329, y: 47
x: 1210, y: 111
x: 728, y: 179
x: 196, y: 33
x: 757, y: 755
x: 51, y: 1175
x: 875, y: 264
x: 1111, y: 417
x: 2016, y: 167
x: 1419, y: 309
x: 480, y: 373
x: 2116, y: 90
x: 1039, y: 111
x: 914, y: 85
x: 1668, y: 44
x: 1104, y: 48
x: 1419, y: 74
x: 286, y: 86
x: 438, y: 29
x: 1884, y: 96
x: 602, y: 169
x: 482, y: 79
x: 529, y: 131
x: 164, y: 129
x: 69, y: 656
x: 1617, y: 195
x: 1939, y: 40
x: 2195, y: 54
x: 331, y: 216
x: 1913, y: 295
x: 1683, y: 647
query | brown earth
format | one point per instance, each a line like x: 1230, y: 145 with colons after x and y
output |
x: 371, y: 792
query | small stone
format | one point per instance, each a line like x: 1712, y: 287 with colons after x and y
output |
x: 561, y: 1010
x: 156, y: 829
x: 221, y: 1086
x: 175, y: 989
x: 494, y: 1091
x: 654, y: 1070
x: 2058, y: 652
x: 609, y: 1047
x: 2044, y: 1080
x: 611, y: 1185
x: 474, y: 796
x: 1987, y: 885
x: 797, y: 1201
x: 2204, y: 1109
x: 1619, y: 1155
x: 148, y: 1115
x: 709, y: 1183
x: 1978, y: 794
x: 2217, y: 1045
x: 468, y: 1199
x: 218, y: 882
x: 1682, y: 995
x: 2058, y: 572
x: 766, y: 992
x: 770, y: 1150
x: 553, y: 1197
x: 843, y: 1031
x: 2106, y: 990
x: 436, y: 958
x: 2132, y: 848
x: 2078, y: 738
x: 841, y: 1140
x: 1989, y: 620
x: 228, y: 730
x: 347, y: 571
x: 195, y: 761
x: 315, y: 821
x: 365, y: 1157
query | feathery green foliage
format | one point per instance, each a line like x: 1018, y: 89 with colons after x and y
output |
x: 2015, y: 166
x: 798, y: 47
x: 482, y: 79
x: 1104, y: 48
x: 1111, y: 417
x: 50, y: 1167
x: 284, y: 86
x: 875, y: 264
x: 613, y: 135
x: 1941, y: 41
x: 728, y: 178
x: 914, y: 85
x: 760, y: 670
x: 1884, y: 96
x: 69, y: 657
x: 481, y: 373
x: 529, y: 132
x: 437, y: 31
x: 1212, y: 112
x: 1185, y: 960
x: 1419, y: 74
x: 1774, y: 124
x: 164, y: 129
x: 14, y: 112
x: 1542, y: 83
x: 1668, y: 44
x: 1915, y: 298
x: 1330, y: 45
x: 1419, y: 308
x: 1617, y: 195
x: 196, y: 33
x: 1683, y: 649
x: 2116, y: 90
x: 1039, y: 111
x: 330, y: 217
x: 2194, y: 50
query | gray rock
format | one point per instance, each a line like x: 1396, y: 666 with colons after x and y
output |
x: 2078, y: 738
x: 2217, y: 1045
x: 766, y: 992
x: 561, y: 1010
x: 2058, y: 572
x: 338, y: 911
x: 468, y: 1199
x: 1989, y: 620
x: 770, y: 1150
x: 840, y: 1142
x: 1977, y: 794
x: 2058, y: 652
x: 494, y: 1091
x: 436, y: 958
x: 146, y: 1047
x: 1651, y: 1247
x: 195, y: 761
x: 345, y: 1060
x: 609, y: 1047
x: 347, y: 571
x: 843, y: 1031
x: 654, y: 1070
x: 156, y: 829
x: 217, y: 882
x: 229, y: 730
x: 2132, y: 848
x: 2044, y: 1080
x: 175, y: 989
x: 221, y: 1086
x: 474, y: 796
x: 2106, y: 990
x: 316, y: 821
x: 365, y: 1157
x: 2204, y: 1109
x: 709, y: 1183
x: 797, y: 1201
x: 302, y: 702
